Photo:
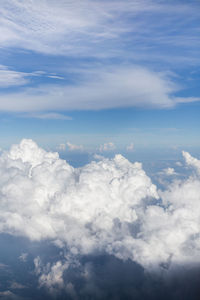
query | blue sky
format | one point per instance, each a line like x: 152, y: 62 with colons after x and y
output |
x: 104, y: 76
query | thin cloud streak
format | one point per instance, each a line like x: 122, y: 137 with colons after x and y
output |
x: 95, y: 28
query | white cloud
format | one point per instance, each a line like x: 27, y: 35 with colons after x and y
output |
x: 56, y: 77
x: 107, y: 147
x: 117, y: 87
x: 70, y: 147
x: 61, y: 27
x: 36, y: 181
x: 192, y: 161
x: 73, y: 147
x: 98, y: 157
x: 50, y: 275
x: 169, y: 171
x: 130, y: 147
x: 10, y: 78
x: 48, y: 116
x: 109, y: 206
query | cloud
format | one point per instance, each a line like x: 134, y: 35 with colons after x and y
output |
x: 130, y: 147
x: 68, y: 194
x: 70, y: 147
x: 48, y: 116
x: 73, y: 147
x: 112, y: 88
x: 169, y: 171
x: 9, y: 78
x: 98, y: 157
x: 107, y: 147
x: 191, y: 161
x: 23, y: 257
x: 107, y: 207
x: 62, y: 147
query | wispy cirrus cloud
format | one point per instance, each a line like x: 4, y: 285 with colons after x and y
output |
x: 47, y: 116
x: 9, y: 78
x: 98, y: 28
x: 123, y: 29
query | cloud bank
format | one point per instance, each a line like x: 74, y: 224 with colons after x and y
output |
x: 110, y: 206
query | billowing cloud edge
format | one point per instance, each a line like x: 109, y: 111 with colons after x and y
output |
x: 110, y: 206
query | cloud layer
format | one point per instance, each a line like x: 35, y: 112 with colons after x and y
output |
x: 94, y: 27
x: 125, y: 31
x: 110, y: 206
x: 114, y: 88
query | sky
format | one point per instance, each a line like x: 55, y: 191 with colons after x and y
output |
x: 100, y: 149
x: 91, y: 73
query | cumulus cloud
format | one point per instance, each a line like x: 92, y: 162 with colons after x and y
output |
x: 169, y: 171
x: 70, y: 147
x: 109, y: 207
x: 78, y: 199
x: 192, y: 161
x: 107, y: 147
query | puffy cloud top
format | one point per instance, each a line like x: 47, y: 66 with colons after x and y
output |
x: 44, y: 197
x: 109, y: 206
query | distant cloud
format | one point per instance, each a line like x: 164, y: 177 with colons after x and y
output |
x: 17, y: 286
x: 73, y: 147
x: 130, y: 147
x: 169, y: 171
x: 107, y: 147
x: 48, y: 116
x: 70, y: 147
x: 98, y: 156
x: 56, y: 77
x: 23, y: 257
x: 61, y: 147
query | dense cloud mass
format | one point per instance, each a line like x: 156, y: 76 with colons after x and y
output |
x: 109, y: 207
